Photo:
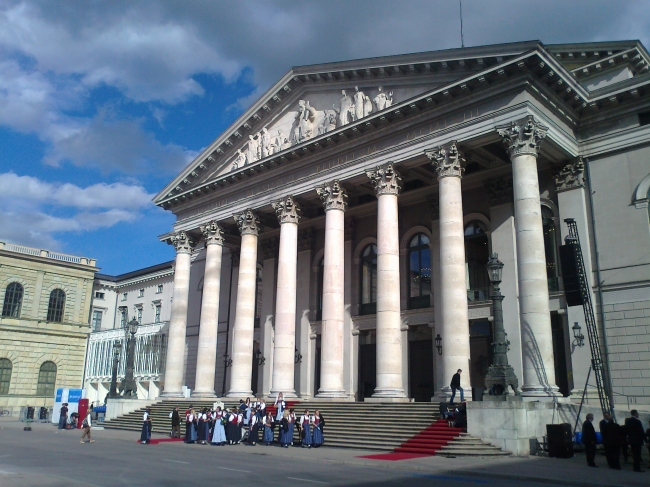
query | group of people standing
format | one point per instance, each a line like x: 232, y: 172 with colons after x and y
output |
x: 616, y: 439
x: 246, y: 423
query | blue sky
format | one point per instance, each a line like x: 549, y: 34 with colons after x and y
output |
x: 103, y: 103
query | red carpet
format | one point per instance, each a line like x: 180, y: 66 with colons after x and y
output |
x: 162, y: 440
x: 394, y: 457
x: 431, y: 439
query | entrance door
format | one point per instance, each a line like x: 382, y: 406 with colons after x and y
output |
x: 559, y: 354
x: 367, y: 370
x: 421, y: 370
x: 480, y: 350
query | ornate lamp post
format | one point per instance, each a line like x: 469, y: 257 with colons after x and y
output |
x: 129, y: 387
x: 500, y: 375
x: 117, y: 348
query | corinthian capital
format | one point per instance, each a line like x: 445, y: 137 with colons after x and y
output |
x: 212, y: 233
x: 447, y: 160
x: 287, y: 210
x: 333, y: 196
x: 523, y: 137
x: 571, y: 176
x: 247, y: 222
x: 182, y: 242
x: 385, y: 179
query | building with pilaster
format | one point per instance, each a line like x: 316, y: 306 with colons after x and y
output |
x: 341, y: 226
x: 45, y: 298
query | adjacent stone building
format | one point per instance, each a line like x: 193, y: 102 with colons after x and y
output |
x: 46, y: 299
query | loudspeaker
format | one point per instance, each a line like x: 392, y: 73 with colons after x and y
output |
x: 570, y: 275
x: 560, y: 441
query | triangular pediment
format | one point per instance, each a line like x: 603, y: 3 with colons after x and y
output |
x: 308, y: 101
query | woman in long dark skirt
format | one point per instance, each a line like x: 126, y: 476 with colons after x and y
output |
x: 268, y: 429
x: 305, y: 425
x: 319, y: 423
x: 189, y: 426
x: 200, y: 430
x: 254, y: 433
x: 283, y: 431
x: 145, y: 436
x: 291, y: 418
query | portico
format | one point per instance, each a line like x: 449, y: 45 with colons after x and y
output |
x: 358, y: 234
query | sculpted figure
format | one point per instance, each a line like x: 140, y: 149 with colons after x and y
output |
x: 367, y: 106
x: 305, y: 128
x: 359, y: 100
x: 346, y: 108
x: 276, y: 143
x: 382, y: 100
x: 239, y: 161
x: 329, y: 121
x: 265, y: 143
x: 253, y: 150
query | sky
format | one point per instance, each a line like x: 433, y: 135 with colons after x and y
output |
x: 102, y: 103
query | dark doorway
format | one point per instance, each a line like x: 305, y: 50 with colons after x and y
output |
x: 255, y: 374
x: 559, y: 354
x: 480, y: 349
x: 367, y: 364
x: 317, y: 365
x: 421, y: 369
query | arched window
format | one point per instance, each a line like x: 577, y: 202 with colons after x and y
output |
x: 46, y: 379
x: 258, y: 295
x: 319, y: 290
x: 419, y: 272
x: 550, y: 248
x: 56, y: 306
x: 5, y: 375
x: 476, y: 259
x: 13, y: 301
x: 368, y: 301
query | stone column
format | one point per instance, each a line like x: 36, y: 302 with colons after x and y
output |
x: 389, y: 336
x: 288, y: 213
x: 303, y: 326
x: 206, y: 359
x: 522, y: 139
x: 242, y: 333
x: 178, y: 320
x: 454, y: 326
x: 572, y: 203
x: 333, y: 197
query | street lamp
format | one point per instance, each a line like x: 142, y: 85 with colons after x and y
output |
x: 438, y: 341
x: 297, y: 357
x: 227, y: 360
x: 129, y: 387
x: 117, y: 348
x: 259, y: 357
x: 577, y: 334
x: 500, y: 374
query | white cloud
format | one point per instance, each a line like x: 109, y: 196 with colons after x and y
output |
x: 34, y: 212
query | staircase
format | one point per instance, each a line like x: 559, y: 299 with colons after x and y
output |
x: 369, y: 426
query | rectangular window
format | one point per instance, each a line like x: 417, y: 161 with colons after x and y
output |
x: 97, y: 320
x: 160, y: 289
x: 141, y: 293
x: 99, y: 295
x: 158, y: 311
x: 139, y: 315
x: 124, y: 316
x: 124, y: 296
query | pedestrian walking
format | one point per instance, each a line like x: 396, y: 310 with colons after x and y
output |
x: 176, y: 423
x: 86, y: 425
x: 145, y: 435
x: 635, y: 437
x: 63, y: 418
x: 455, y: 386
x: 589, y: 440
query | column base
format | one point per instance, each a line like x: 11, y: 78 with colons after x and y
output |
x: 388, y: 399
x: 388, y: 394
x: 205, y: 395
x: 331, y: 394
x: 344, y: 398
x: 240, y: 394
x: 539, y: 392
x: 171, y: 395
x: 285, y: 394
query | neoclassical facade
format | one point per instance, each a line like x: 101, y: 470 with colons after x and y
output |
x: 332, y: 242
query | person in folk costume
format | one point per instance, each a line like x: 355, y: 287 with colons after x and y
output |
x: 254, y: 432
x: 200, y: 427
x: 291, y: 418
x: 319, y: 423
x: 283, y: 431
x: 209, y: 425
x: 189, y: 426
x: 281, y: 405
x: 240, y: 425
x: 229, y: 426
x: 305, y: 425
x: 218, y: 431
x: 268, y: 429
x: 261, y: 410
x: 247, y: 417
x: 145, y: 436
x: 235, y: 427
x: 176, y: 423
